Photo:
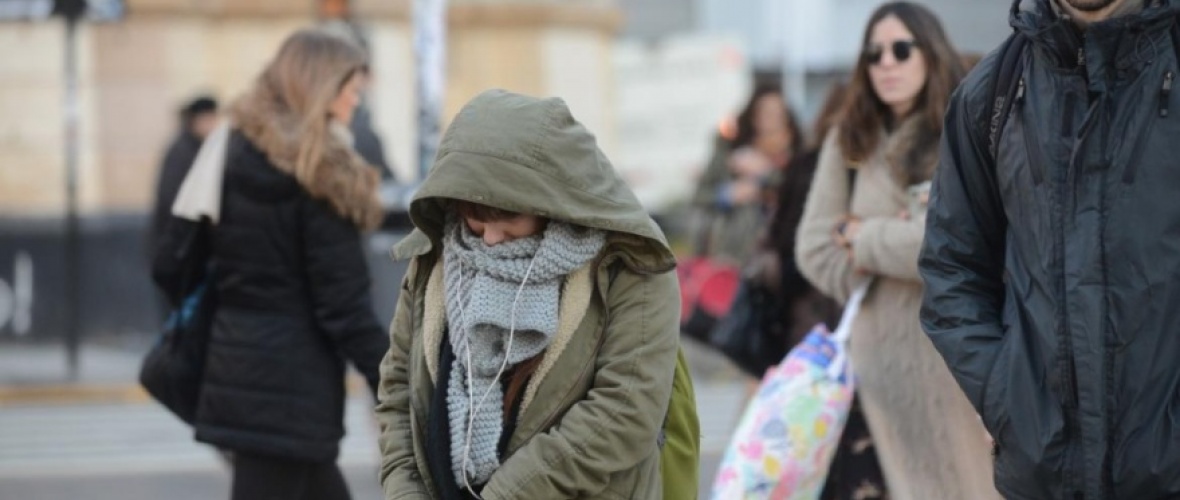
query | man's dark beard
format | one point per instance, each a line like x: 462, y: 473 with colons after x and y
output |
x: 1089, y: 5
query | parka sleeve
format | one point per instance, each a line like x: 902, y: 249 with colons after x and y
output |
x: 399, y: 474
x: 617, y: 425
x: 338, y: 278
x: 962, y: 259
x: 824, y: 263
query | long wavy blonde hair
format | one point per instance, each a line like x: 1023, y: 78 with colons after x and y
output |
x: 303, y: 79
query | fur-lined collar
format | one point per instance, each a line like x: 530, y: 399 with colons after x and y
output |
x: 342, y: 178
x: 911, y: 152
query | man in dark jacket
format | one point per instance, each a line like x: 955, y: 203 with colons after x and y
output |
x: 1048, y: 268
x: 197, y: 120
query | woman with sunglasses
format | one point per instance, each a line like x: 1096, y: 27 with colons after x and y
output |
x: 864, y: 220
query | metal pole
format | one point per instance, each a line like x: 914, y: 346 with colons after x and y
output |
x: 72, y: 267
x: 430, y: 51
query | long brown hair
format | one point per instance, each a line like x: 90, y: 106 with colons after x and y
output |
x: 303, y: 80
x: 865, y: 115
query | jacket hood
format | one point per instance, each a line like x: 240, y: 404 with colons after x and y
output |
x: 1041, y: 22
x: 530, y: 155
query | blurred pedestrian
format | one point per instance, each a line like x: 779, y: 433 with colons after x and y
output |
x: 736, y: 190
x: 535, y: 341
x: 1051, y: 251
x: 366, y: 141
x: 289, y: 270
x: 197, y: 119
x: 863, y: 220
x: 797, y: 306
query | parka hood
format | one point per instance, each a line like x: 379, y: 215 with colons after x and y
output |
x: 529, y: 155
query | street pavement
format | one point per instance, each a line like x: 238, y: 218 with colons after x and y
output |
x: 128, y: 448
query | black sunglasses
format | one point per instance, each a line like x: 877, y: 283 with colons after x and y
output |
x: 902, y: 50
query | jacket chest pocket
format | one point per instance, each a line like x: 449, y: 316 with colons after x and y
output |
x: 1151, y: 130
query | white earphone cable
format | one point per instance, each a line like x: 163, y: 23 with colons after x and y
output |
x: 472, y: 409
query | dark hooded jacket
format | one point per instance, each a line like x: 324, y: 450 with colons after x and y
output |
x: 1047, y: 270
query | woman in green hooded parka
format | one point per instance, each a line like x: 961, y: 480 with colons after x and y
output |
x: 535, y: 346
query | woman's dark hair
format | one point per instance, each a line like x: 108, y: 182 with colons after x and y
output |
x: 745, y: 120
x: 865, y: 115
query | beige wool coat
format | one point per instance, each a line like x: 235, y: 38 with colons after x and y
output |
x: 929, y: 440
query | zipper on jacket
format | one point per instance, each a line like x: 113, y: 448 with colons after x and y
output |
x: 1145, y: 134
x: 1082, y: 56
x: 1067, y: 117
x: 1035, y: 159
x: 1165, y: 93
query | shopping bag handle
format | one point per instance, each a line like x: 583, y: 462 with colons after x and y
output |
x: 844, y: 330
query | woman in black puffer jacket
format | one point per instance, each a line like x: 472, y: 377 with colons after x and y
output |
x: 292, y: 284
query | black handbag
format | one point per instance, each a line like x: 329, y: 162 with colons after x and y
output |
x: 747, y: 335
x: 173, y: 370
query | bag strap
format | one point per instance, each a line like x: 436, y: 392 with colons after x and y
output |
x: 1003, y: 90
x: 844, y: 329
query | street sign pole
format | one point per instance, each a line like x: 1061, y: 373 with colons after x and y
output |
x: 71, y: 12
x: 430, y: 51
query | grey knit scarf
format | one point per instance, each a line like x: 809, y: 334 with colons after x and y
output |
x: 482, y: 284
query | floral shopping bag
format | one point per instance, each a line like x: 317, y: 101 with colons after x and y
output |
x: 789, y: 432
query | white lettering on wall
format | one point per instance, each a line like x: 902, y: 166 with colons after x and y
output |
x: 16, y: 299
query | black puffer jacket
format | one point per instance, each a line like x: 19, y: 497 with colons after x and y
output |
x: 1050, y: 273
x: 293, y: 305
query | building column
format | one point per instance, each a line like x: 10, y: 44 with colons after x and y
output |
x: 543, y: 48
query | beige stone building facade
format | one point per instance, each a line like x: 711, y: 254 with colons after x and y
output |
x: 135, y: 72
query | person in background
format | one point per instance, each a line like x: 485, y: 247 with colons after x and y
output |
x: 197, y: 119
x: 291, y: 280
x: 800, y: 305
x: 367, y: 142
x: 855, y: 472
x: 736, y: 190
x: 870, y: 228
